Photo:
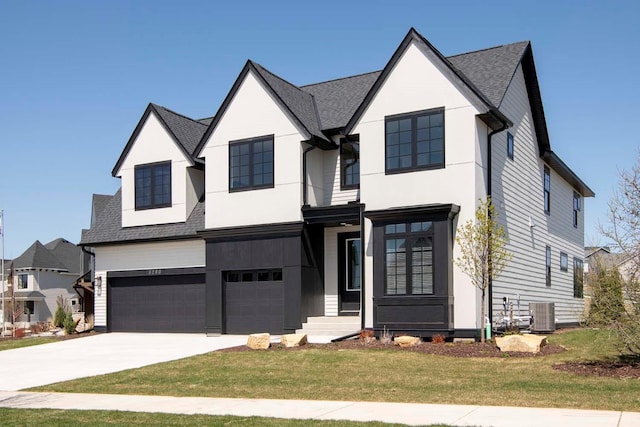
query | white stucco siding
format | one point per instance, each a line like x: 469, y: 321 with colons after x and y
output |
x: 519, y: 197
x: 418, y: 82
x: 142, y: 256
x: 253, y: 112
x: 153, y: 145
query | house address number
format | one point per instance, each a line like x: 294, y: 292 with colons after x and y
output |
x: 154, y: 272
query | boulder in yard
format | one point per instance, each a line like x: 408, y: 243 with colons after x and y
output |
x: 294, y: 340
x: 406, y: 341
x: 259, y: 341
x: 521, y: 343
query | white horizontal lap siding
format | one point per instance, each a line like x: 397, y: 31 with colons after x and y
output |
x: 331, y: 267
x: 143, y: 256
x: 519, y: 199
x: 253, y: 112
x: 419, y: 82
x: 333, y: 194
x: 153, y: 145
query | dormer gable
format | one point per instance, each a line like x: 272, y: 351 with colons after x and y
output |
x: 161, y: 180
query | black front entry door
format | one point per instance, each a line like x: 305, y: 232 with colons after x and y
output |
x: 349, y: 273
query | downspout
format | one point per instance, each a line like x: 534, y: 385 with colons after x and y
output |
x: 362, y: 260
x: 504, y: 127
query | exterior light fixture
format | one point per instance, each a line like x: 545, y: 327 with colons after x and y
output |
x: 99, y: 285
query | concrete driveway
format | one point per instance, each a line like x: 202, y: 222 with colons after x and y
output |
x: 101, y: 354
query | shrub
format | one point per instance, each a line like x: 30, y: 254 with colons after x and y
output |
x: 69, y: 324
x: 437, y: 339
x: 61, y: 311
x: 39, y: 327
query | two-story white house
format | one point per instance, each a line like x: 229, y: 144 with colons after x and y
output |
x: 341, y: 199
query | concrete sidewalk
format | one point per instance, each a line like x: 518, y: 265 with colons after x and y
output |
x: 403, y: 413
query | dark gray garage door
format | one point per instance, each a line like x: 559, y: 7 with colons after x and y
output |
x: 172, y: 303
x: 255, y: 306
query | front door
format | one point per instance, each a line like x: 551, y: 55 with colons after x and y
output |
x: 349, y: 273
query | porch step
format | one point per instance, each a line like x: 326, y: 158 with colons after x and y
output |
x: 331, y: 325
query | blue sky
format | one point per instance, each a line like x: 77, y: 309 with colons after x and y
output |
x: 76, y: 76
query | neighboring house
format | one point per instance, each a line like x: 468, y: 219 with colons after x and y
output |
x: 341, y: 199
x: 43, y: 273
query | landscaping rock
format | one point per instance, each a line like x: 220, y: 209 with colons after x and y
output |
x: 259, y: 341
x: 293, y: 340
x: 406, y: 341
x: 521, y: 343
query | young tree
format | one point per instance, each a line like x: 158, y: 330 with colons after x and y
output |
x: 483, y: 253
x: 624, y: 230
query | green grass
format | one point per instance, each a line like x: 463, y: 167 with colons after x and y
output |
x: 9, y: 344
x: 64, y: 418
x: 382, y: 375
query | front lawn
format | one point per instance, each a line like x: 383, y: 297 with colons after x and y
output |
x: 382, y: 375
x: 63, y: 418
x: 10, y: 343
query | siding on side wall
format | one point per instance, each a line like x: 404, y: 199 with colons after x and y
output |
x: 519, y: 199
x: 331, y: 267
x: 176, y: 254
x: 332, y: 194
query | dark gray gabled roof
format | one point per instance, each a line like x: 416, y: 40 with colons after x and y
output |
x: 109, y: 230
x: 185, y: 132
x: 337, y: 100
x: 37, y: 256
x: 69, y: 254
x: 492, y: 69
x: 98, y: 203
x: 206, y: 121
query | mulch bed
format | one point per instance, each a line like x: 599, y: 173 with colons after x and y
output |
x: 616, y: 369
x: 475, y: 349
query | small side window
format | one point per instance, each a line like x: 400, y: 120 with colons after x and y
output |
x: 510, y: 145
x: 564, y: 261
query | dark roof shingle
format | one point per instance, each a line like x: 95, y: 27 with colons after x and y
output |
x: 187, y: 131
x: 109, y: 226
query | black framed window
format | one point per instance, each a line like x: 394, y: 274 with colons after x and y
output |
x: 251, y: 164
x: 578, y: 278
x: 153, y: 185
x: 409, y: 258
x: 510, y: 145
x: 349, y: 164
x: 548, y: 265
x: 266, y: 275
x: 577, y: 207
x: 547, y: 190
x: 564, y: 261
x: 23, y: 281
x: 414, y: 141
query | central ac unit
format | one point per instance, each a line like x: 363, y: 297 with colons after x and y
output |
x: 544, y: 316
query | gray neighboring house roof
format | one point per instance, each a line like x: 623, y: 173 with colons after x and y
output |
x: 37, y: 256
x: 66, y: 252
x: 108, y: 228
